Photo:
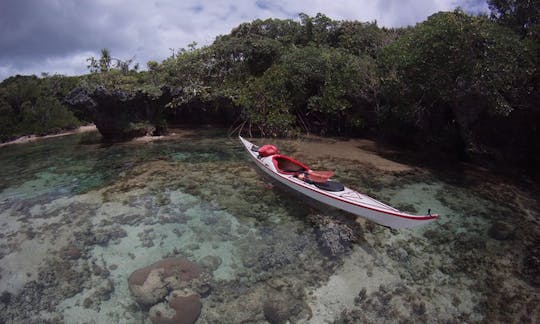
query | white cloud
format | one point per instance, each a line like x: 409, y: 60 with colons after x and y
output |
x: 65, y: 33
x: 68, y: 65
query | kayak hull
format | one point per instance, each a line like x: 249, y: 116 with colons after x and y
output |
x: 348, y: 200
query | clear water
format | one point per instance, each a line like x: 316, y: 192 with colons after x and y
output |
x: 78, y: 217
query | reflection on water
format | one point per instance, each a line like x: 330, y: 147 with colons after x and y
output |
x: 77, y: 218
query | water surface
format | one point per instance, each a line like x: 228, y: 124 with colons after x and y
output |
x: 77, y: 217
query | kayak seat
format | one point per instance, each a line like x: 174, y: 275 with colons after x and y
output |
x: 329, y: 186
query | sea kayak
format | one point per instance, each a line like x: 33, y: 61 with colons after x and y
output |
x: 296, y: 176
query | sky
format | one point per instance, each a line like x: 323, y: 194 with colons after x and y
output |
x: 57, y: 36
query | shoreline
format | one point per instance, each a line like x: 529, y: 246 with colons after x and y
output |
x: 175, y: 133
x: 33, y: 138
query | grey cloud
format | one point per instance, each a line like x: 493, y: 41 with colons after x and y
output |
x: 33, y: 29
x: 56, y: 36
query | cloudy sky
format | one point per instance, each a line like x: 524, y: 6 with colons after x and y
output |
x: 57, y: 36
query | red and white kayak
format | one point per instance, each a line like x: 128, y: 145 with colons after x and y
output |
x: 295, y: 175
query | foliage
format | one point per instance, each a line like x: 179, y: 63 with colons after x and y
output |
x: 450, y: 72
x: 448, y: 83
x: 107, y: 63
x: 521, y: 15
x: 251, y: 48
x: 191, y: 71
x: 30, y: 105
x: 362, y: 38
x: 115, y: 74
x: 312, y: 88
x: 266, y: 103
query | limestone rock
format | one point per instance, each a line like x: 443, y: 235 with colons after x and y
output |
x: 72, y: 253
x: 334, y: 235
x: 210, y: 263
x: 183, y: 307
x: 150, y: 284
x: 122, y: 114
x: 278, y: 308
x: 501, y: 231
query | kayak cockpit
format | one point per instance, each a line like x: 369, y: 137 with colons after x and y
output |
x: 288, y: 165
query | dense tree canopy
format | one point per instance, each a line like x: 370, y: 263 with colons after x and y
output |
x: 521, y: 15
x: 453, y: 71
x: 450, y: 83
x: 32, y: 105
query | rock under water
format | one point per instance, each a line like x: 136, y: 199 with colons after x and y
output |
x: 182, y: 307
x: 78, y: 219
x: 151, y: 284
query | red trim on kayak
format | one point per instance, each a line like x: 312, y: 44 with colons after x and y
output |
x: 420, y: 218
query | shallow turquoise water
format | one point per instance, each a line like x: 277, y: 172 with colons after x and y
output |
x: 78, y: 217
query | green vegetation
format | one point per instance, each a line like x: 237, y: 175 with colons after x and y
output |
x: 32, y: 105
x: 455, y: 83
x: 451, y: 74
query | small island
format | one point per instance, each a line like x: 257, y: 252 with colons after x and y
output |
x: 457, y: 85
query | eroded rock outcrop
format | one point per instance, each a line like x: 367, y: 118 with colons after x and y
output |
x: 122, y: 114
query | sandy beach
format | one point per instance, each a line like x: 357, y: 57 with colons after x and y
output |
x: 32, y: 138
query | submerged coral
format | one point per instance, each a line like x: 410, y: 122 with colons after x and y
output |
x: 77, y: 224
x: 335, y: 234
x: 151, y: 284
x: 181, y: 308
x: 531, y: 265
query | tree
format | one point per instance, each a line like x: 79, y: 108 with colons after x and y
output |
x: 521, y: 15
x: 266, y: 104
x: 103, y: 64
x: 247, y: 51
x: 319, y: 30
x: 105, y: 60
x: 449, y: 75
x: 191, y: 71
x: 326, y: 83
x: 19, y: 89
x: 108, y: 63
x: 30, y: 105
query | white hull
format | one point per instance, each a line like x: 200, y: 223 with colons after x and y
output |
x: 347, y: 200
